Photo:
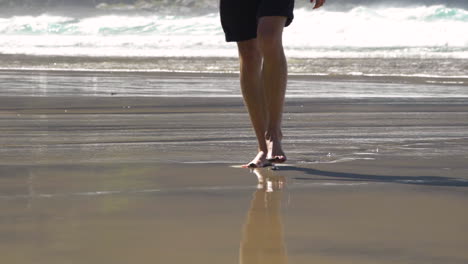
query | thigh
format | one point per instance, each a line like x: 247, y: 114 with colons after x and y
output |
x: 239, y: 19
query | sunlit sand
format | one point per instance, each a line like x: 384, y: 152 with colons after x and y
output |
x: 151, y: 179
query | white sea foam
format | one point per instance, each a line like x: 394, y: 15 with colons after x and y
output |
x: 380, y: 32
x: 422, y: 32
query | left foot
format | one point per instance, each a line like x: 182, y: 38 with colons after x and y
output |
x: 275, y: 152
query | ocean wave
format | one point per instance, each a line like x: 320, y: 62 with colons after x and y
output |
x: 444, y: 13
x: 205, y: 4
x: 363, y: 32
x: 134, y: 24
x: 108, y: 25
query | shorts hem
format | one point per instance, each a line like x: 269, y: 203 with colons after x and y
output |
x: 289, y: 17
x: 238, y: 39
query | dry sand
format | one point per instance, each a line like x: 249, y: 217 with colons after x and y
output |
x: 149, y: 180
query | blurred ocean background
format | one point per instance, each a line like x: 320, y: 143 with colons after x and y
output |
x: 425, y: 38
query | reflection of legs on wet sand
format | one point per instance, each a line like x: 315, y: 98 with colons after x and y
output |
x: 262, y: 239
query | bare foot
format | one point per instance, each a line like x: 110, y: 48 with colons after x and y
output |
x: 275, y: 152
x: 259, y: 161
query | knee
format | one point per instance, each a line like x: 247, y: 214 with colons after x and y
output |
x: 269, y: 39
x: 249, y: 52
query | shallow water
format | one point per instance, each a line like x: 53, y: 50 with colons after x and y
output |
x: 163, y: 84
x: 113, y: 212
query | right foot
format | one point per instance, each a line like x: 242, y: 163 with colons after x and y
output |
x: 260, y: 161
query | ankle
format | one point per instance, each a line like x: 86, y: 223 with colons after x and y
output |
x: 274, y: 134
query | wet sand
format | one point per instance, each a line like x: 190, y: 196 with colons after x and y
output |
x: 150, y: 179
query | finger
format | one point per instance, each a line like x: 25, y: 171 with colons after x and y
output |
x: 319, y: 3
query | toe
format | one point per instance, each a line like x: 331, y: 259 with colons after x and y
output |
x: 278, y: 159
x: 250, y: 166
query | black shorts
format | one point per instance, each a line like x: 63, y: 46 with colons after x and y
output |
x: 239, y: 18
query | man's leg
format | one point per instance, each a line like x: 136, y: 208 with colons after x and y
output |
x: 254, y: 97
x: 274, y: 79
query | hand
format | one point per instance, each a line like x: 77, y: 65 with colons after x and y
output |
x: 318, y: 3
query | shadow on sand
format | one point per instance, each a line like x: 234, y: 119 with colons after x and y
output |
x: 345, y: 176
